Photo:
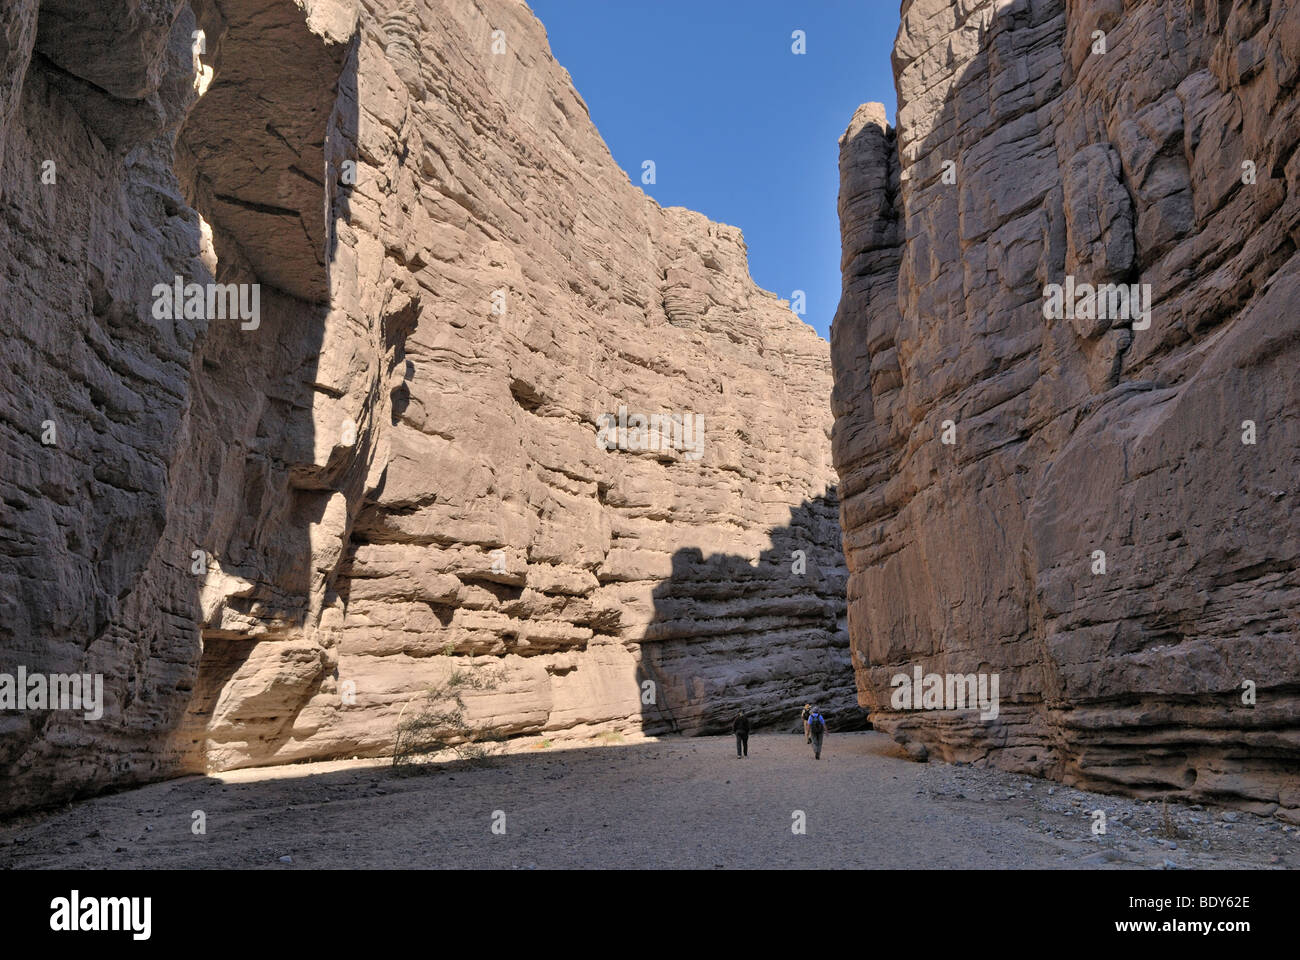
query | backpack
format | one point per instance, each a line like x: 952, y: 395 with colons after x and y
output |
x: 816, y: 723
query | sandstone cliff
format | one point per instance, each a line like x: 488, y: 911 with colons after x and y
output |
x: 269, y: 536
x: 1100, y: 532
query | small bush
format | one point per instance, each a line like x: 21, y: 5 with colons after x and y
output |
x: 1167, y: 828
x: 439, y: 725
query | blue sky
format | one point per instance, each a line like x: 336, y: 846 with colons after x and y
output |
x: 739, y: 127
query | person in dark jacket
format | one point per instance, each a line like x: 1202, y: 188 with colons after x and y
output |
x: 816, y: 730
x: 740, y: 727
x: 803, y: 718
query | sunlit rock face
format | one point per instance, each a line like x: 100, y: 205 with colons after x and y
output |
x: 1094, y: 506
x: 415, y: 438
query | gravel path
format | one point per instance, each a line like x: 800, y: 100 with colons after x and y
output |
x: 643, y: 804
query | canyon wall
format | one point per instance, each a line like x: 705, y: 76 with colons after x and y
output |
x: 271, y: 534
x: 1099, y: 510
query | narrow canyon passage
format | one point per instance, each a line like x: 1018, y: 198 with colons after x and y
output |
x: 650, y: 804
x: 496, y: 410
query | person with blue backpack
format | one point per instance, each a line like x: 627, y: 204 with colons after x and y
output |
x: 816, y: 730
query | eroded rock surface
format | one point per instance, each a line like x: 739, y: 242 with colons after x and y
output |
x: 1169, y: 159
x: 395, y: 469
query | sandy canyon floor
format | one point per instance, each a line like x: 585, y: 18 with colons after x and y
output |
x: 671, y: 803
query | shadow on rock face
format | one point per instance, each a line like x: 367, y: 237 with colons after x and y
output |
x: 764, y: 634
x: 184, y: 530
x: 1104, y: 531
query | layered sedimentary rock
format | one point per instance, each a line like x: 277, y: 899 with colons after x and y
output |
x: 1097, y: 506
x: 270, y: 534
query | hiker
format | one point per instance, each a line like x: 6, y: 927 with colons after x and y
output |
x: 807, y: 709
x: 740, y: 727
x: 816, y: 730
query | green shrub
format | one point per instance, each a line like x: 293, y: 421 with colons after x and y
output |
x: 439, y: 725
